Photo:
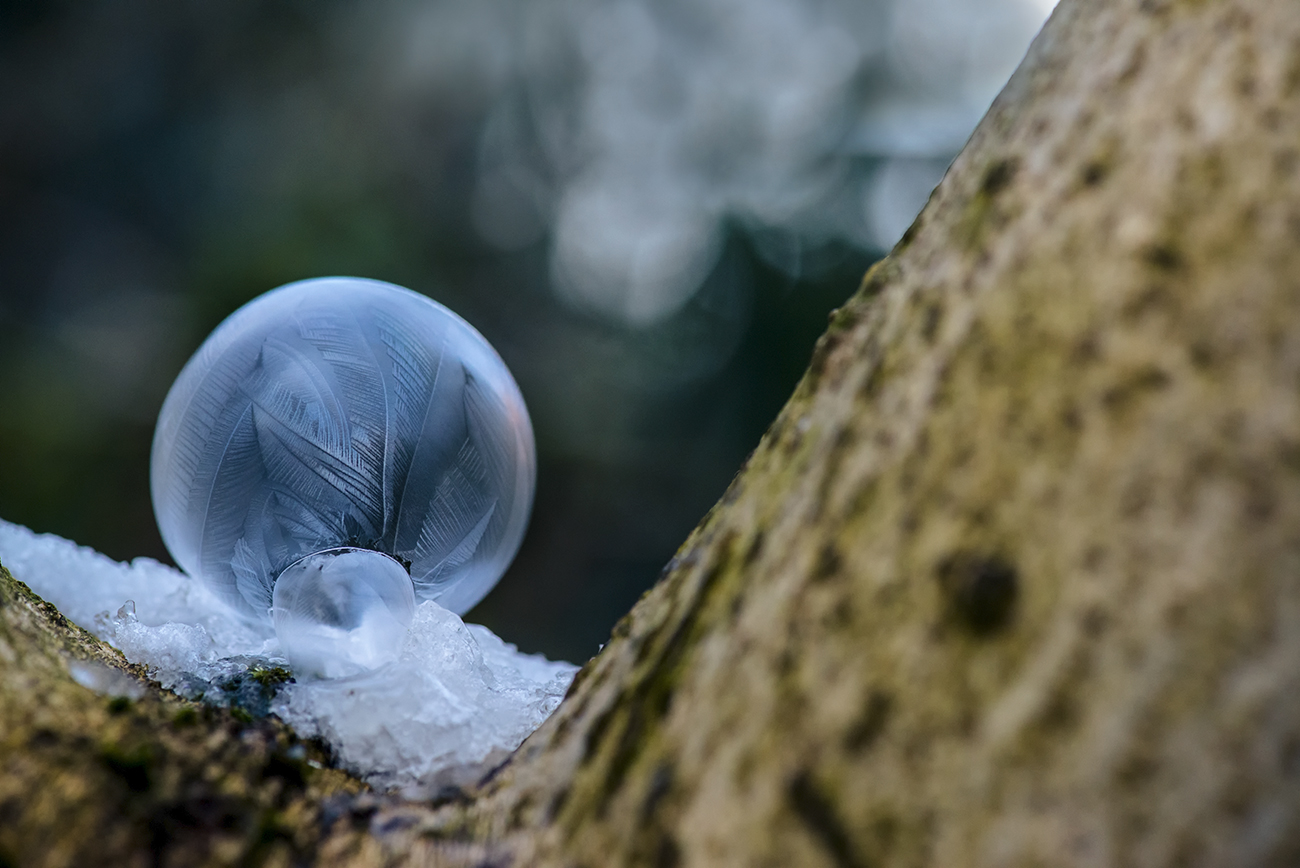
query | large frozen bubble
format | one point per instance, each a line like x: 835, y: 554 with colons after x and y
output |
x: 342, y: 413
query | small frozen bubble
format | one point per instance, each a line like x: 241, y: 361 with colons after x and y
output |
x: 342, y: 612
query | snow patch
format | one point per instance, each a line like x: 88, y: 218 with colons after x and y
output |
x: 456, y: 698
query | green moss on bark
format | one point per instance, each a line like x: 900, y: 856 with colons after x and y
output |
x: 137, y: 776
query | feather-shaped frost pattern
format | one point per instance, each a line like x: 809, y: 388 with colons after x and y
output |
x: 349, y: 348
x: 300, y: 400
x: 428, y: 574
x: 436, y: 451
x: 415, y: 368
x: 252, y: 575
x: 343, y: 412
x: 236, y: 476
x: 458, y: 505
x: 496, y: 453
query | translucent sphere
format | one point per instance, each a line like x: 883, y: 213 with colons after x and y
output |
x: 335, y: 418
x: 342, y: 611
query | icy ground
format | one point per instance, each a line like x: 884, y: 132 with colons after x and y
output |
x: 457, y: 697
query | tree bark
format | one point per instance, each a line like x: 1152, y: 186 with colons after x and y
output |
x: 1014, y: 578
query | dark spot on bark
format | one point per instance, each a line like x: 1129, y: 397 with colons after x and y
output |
x: 1288, y: 453
x: 828, y: 563
x: 667, y: 853
x: 930, y: 323
x: 785, y: 662
x: 817, y: 812
x: 755, y: 548
x: 998, y: 177
x: 1261, y: 500
x: 871, y: 384
x: 184, y: 717
x: 1060, y: 714
x: 596, y: 734
x: 981, y: 591
x: 133, y: 765
x: 178, y: 821
x: 661, y: 783
x: 840, y: 615
x: 1136, y: 60
x: 42, y: 737
x: 1094, y: 173
x: 288, y: 770
x: 871, y: 723
x: 1094, y: 622
x: 1086, y: 350
x: 363, y: 807
x: 557, y: 804
x: 119, y: 704
x: 1163, y: 257
x: 1148, y: 379
x: 1201, y: 355
x: 1135, y: 770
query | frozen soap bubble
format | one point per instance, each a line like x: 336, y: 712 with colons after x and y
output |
x: 337, y: 451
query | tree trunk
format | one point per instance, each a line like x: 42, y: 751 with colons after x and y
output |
x: 1014, y: 579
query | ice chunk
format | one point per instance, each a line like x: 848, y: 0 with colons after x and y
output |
x: 105, y: 679
x: 455, y: 696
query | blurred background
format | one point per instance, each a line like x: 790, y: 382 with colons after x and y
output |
x: 648, y: 206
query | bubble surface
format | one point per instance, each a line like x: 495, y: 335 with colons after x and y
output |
x: 343, y: 413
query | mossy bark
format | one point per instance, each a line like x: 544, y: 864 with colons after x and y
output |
x: 135, y: 776
x: 1014, y: 579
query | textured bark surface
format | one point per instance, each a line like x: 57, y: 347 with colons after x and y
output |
x: 1014, y: 579
x: 133, y: 776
